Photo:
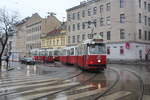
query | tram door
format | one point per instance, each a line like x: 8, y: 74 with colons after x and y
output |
x: 85, y: 55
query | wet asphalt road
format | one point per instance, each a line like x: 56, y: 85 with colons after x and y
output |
x: 66, y: 82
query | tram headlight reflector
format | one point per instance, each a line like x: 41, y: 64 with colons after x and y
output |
x: 99, y: 60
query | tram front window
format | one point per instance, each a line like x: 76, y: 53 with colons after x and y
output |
x: 97, y: 49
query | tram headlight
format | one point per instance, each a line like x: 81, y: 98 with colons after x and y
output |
x: 99, y: 61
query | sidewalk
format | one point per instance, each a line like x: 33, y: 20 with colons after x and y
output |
x: 127, y: 62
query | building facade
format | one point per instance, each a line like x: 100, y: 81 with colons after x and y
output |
x: 123, y: 24
x: 34, y: 30
x: 50, y: 23
x: 21, y: 38
x: 56, y: 38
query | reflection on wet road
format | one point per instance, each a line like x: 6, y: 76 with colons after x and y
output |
x: 67, y: 83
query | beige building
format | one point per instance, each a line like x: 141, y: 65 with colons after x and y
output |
x: 49, y: 24
x: 124, y: 25
x: 56, y: 38
x: 21, y: 38
x: 34, y: 30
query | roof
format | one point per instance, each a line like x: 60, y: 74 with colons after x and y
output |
x: 82, y: 4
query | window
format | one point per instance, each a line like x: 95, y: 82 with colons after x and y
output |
x: 78, y: 38
x: 90, y: 36
x: 83, y: 25
x: 78, y: 26
x: 149, y: 21
x: 108, y: 35
x: 68, y: 17
x: 121, y: 50
x: 122, y: 3
x: 95, y: 22
x: 108, y: 7
x: 83, y: 36
x: 69, y: 29
x: 68, y: 39
x: 108, y: 50
x: 148, y: 7
x: 94, y: 10
x: 89, y: 12
x: 145, y: 18
x: 145, y: 5
x: 108, y: 22
x: 140, y: 34
x: 139, y: 3
x: 101, y: 34
x: 83, y: 13
x: 140, y: 18
x: 78, y: 15
x: 101, y: 21
x: 122, y: 34
x: 122, y: 18
x: 149, y: 36
x: 73, y: 39
x: 73, y: 27
x: 145, y: 35
x: 101, y: 8
x: 73, y: 16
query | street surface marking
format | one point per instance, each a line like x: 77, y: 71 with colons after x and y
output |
x: 80, y: 95
x: 48, y: 88
x: 116, y: 96
x: 29, y: 97
x: 34, y: 85
x: 26, y: 80
x: 30, y: 82
x: 21, y: 78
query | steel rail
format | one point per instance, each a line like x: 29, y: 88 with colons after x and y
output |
x: 112, y: 86
x: 67, y: 88
x: 141, y: 83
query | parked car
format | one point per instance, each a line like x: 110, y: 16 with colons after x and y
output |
x: 22, y: 60
x: 29, y: 61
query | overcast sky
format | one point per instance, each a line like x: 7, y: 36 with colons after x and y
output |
x: 28, y: 7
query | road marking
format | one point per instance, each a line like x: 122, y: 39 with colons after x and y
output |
x: 30, y: 82
x: 29, y: 97
x: 34, y: 85
x: 80, y: 95
x: 22, y: 80
x: 116, y: 96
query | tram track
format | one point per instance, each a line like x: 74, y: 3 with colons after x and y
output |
x: 140, y: 81
x: 13, y: 92
x: 68, y: 88
x: 110, y: 87
x: 117, y: 80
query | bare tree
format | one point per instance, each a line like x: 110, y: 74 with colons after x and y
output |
x: 7, y: 22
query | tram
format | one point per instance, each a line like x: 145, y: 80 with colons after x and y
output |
x: 89, y: 54
x: 92, y: 55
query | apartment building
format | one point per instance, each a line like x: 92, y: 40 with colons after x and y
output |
x: 56, y: 38
x: 34, y: 30
x: 123, y: 24
x: 49, y: 24
x: 21, y: 37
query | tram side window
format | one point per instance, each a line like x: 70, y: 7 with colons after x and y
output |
x: 72, y: 51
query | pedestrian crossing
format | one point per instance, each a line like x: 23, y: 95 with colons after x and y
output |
x: 22, y: 87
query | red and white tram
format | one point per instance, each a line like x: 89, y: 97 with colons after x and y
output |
x: 92, y: 54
